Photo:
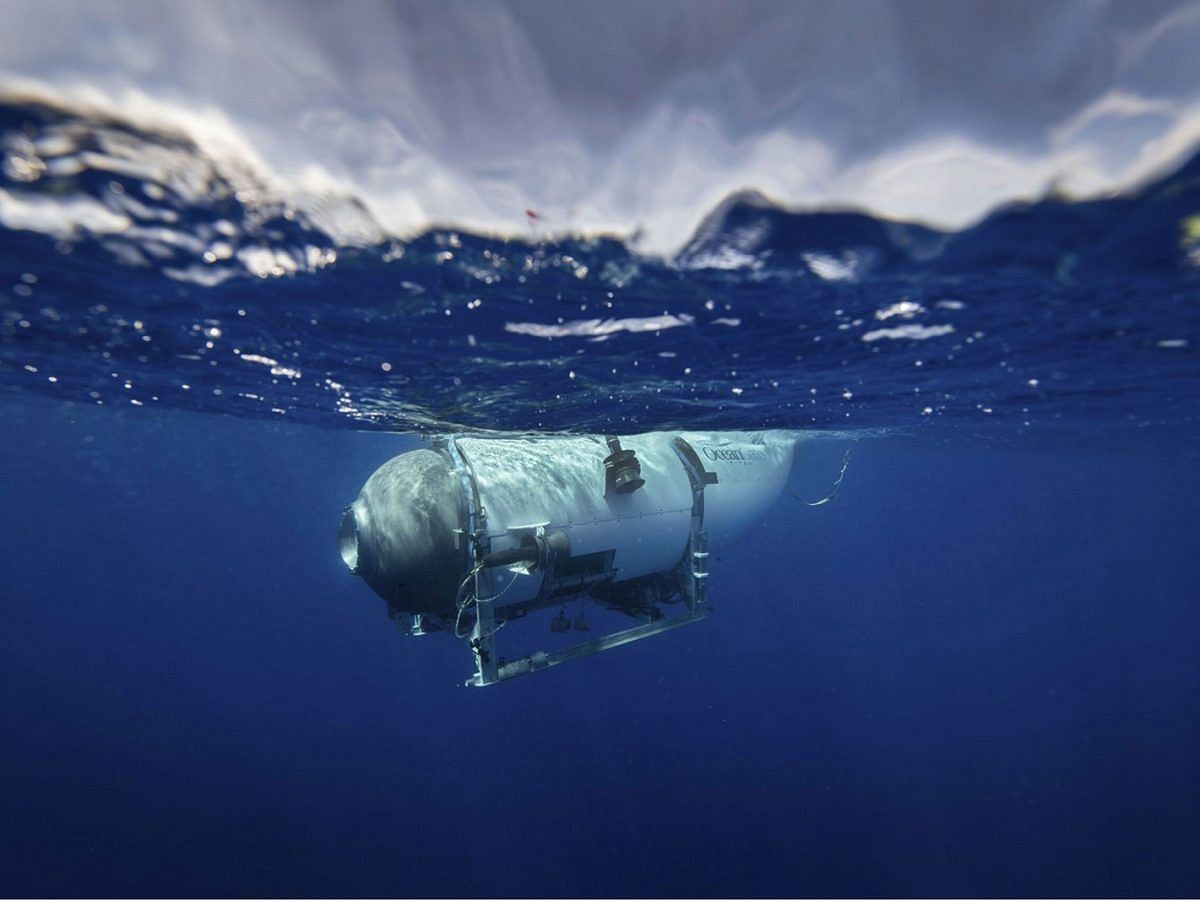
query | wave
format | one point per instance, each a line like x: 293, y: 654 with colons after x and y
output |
x: 154, y: 197
x: 142, y: 270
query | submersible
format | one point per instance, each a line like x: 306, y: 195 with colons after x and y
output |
x: 472, y: 533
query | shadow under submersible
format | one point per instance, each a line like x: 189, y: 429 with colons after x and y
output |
x: 475, y: 532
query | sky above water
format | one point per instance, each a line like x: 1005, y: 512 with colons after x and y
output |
x: 639, y: 117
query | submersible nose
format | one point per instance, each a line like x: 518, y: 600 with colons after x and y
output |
x: 399, y: 535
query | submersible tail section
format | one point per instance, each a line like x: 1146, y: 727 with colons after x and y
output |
x: 473, y: 533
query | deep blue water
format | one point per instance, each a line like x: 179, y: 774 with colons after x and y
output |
x: 974, y: 672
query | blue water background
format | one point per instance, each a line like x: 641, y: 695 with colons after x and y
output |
x: 974, y: 672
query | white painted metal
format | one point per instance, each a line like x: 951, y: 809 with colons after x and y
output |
x: 751, y: 469
x: 558, y: 483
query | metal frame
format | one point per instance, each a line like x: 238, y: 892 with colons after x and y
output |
x: 540, y: 659
x: 483, y: 634
x: 488, y: 669
x: 697, y: 551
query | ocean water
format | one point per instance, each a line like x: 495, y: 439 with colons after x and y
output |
x: 975, y: 671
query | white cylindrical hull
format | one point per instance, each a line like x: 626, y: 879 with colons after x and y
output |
x: 557, y: 484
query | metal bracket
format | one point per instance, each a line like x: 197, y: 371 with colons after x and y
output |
x: 695, y: 558
x: 697, y: 564
x: 482, y: 638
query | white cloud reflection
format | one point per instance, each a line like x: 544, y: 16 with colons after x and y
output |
x: 598, y: 328
x: 908, y: 333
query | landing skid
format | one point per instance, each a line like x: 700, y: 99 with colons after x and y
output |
x: 540, y: 659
